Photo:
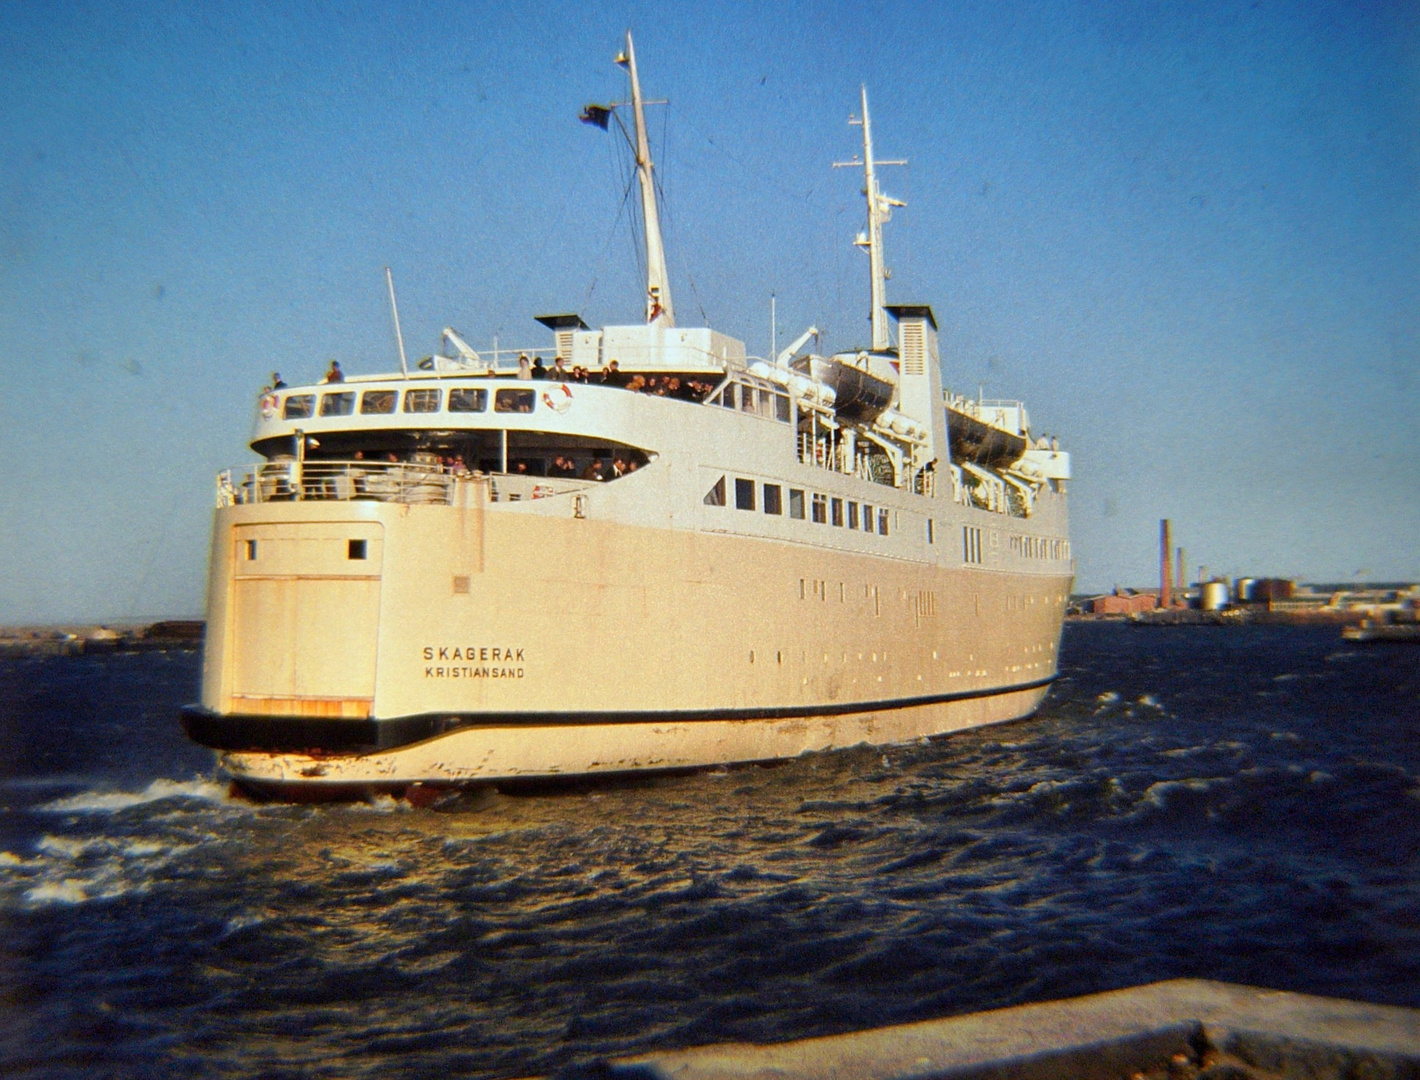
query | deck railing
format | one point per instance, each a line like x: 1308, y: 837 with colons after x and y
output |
x: 378, y: 481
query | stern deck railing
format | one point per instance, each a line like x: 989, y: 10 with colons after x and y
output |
x: 378, y: 481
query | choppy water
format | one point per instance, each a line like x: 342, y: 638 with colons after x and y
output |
x: 1239, y: 804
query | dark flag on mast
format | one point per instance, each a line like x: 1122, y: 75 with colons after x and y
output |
x: 596, y: 114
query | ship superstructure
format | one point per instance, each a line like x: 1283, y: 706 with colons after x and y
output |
x: 664, y: 553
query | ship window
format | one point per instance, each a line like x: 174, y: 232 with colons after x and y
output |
x: 377, y: 401
x: 971, y: 544
x: 781, y: 408
x: 796, y: 503
x: 883, y: 522
x: 299, y: 406
x: 251, y: 550
x: 519, y: 401
x: 852, y: 515
x: 747, y: 399
x: 836, y: 506
x: 744, y: 494
x: 773, y: 499
x: 820, y: 509
x: 356, y: 549
x: 930, y: 538
x: 716, y: 495
x: 421, y: 401
x: 867, y: 518
x: 342, y: 404
x: 467, y: 399
x: 727, y: 396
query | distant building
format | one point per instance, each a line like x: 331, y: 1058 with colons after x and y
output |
x: 1124, y: 602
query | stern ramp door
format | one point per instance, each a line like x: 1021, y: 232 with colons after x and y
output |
x: 305, y: 618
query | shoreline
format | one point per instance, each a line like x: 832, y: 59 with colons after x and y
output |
x: 77, y: 639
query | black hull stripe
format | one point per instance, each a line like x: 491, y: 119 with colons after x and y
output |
x: 245, y: 731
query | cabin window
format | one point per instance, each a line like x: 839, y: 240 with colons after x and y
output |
x: 867, y: 518
x: 836, y: 512
x: 781, y: 408
x: 773, y: 499
x: 852, y: 515
x: 716, y: 495
x: 930, y: 538
x: 251, y: 550
x: 516, y: 401
x: 467, y: 399
x: 356, y: 549
x: 299, y: 406
x: 377, y: 402
x: 341, y: 404
x: 727, y: 396
x: 744, y: 494
x: 820, y: 509
x: 796, y: 503
x: 421, y: 401
x: 882, y: 522
x: 747, y: 399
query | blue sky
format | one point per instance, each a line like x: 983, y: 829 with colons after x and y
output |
x: 1187, y: 235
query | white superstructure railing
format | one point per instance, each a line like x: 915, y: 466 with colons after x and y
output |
x: 378, y: 481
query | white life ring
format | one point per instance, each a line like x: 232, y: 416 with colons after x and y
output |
x: 558, y: 403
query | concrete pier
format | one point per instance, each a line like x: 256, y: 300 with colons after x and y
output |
x: 1179, y: 1030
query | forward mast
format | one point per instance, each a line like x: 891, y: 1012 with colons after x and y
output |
x: 879, y: 212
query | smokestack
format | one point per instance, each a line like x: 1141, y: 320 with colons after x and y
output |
x: 1182, y: 573
x: 1165, y: 564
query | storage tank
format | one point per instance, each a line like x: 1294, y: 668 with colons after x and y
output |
x: 1213, y: 595
x: 1242, y: 589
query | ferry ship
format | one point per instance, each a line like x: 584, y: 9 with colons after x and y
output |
x: 636, y: 548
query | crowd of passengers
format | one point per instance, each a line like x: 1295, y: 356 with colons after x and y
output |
x: 612, y: 375
x: 600, y: 468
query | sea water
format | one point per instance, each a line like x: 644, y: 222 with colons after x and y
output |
x: 1226, y: 803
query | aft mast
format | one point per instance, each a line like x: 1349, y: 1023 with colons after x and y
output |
x: 879, y: 211
x: 659, y: 311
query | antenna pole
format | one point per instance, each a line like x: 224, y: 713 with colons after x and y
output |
x: 773, y: 332
x: 398, y: 335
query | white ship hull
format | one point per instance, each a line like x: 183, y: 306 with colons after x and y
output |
x: 512, y: 640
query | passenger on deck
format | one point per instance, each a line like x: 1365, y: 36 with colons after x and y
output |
x: 637, y: 382
x: 581, y: 374
x: 357, y: 473
x: 612, y: 376
x: 524, y: 367
x: 559, y: 372
x: 277, y: 383
x: 539, y: 371
x: 334, y: 374
x: 562, y: 466
x: 595, y: 471
x: 619, y: 467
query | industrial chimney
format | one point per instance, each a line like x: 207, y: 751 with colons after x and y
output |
x: 1165, y: 565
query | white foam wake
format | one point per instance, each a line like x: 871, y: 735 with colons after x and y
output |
x: 205, y: 790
